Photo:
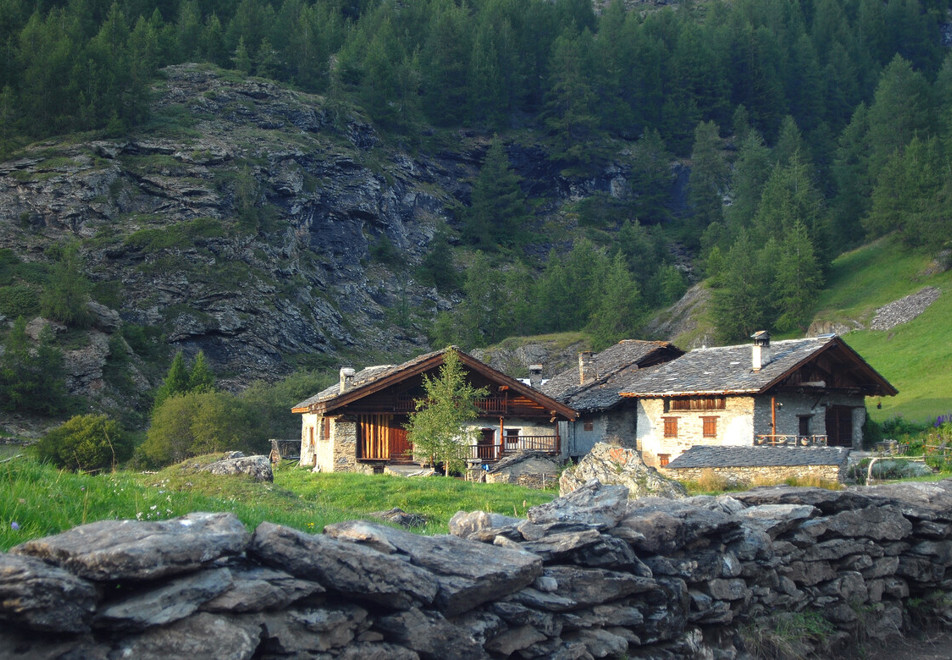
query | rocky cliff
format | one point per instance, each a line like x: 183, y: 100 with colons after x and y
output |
x: 247, y: 220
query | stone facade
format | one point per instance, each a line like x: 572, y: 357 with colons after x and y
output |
x: 337, y: 452
x: 734, y: 426
x: 619, y: 425
x: 792, y: 408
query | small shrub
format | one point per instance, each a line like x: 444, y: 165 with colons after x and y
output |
x: 786, y: 636
x: 712, y: 481
x: 19, y: 300
x: 86, y: 443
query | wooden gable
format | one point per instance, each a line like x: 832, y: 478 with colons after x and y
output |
x: 836, y: 367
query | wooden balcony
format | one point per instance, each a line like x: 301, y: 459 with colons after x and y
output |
x: 789, y: 440
x: 548, y: 444
x: 495, y: 405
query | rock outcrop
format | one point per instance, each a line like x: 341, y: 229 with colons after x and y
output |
x: 257, y: 467
x: 592, y: 574
x: 610, y: 464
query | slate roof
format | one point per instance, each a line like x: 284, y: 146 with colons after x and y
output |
x: 728, y: 369
x: 613, y: 366
x: 707, y: 456
x: 367, y: 378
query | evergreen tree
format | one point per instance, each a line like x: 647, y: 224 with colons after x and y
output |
x: 798, y: 280
x: 438, y: 428
x: 498, y: 205
x: 741, y: 305
x: 651, y: 178
x: 902, y: 108
x: 853, y: 181
x: 31, y: 379
x: 200, y: 378
x: 748, y: 177
x: 571, y: 115
x: 65, y: 297
x: 708, y: 179
x: 176, y: 380
x: 618, y: 309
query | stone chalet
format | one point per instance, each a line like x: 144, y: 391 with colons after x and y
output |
x: 796, y: 393
x: 594, y: 390
x: 358, y: 424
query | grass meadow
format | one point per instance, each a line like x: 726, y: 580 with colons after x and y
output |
x: 916, y: 357
x: 38, y: 500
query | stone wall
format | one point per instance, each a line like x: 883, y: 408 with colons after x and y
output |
x: 588, y: 575
x: 749, y: 476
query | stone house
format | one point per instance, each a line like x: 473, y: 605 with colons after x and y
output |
x: 594, y: 390
x: 357, y: 425
x: 797, y: 392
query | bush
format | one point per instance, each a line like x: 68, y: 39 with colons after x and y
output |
x: 19, y: 300
x: 194, y: 423
x: 86, y: 443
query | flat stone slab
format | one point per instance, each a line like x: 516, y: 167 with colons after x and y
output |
x: 469, y: 572
x: 43, y: 597
x: 349, y: 568
x: 136, y: 550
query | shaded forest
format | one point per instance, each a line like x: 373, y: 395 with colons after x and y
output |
x: 808, y: 127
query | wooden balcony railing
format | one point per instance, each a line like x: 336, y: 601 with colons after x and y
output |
x: 493, y: 404
x: 549, y: 444
x: 789, y: 440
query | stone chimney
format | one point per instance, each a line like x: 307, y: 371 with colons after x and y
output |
x: 535, y: 375
x: 586, y: 367
x: 346, y: 379
x: 761, y: 349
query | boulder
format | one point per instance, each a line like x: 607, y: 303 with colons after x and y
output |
x: 431, y: 635
x: 131, y: 549
x: 483, y: 526
x: 257, y: 467
x: 592, y: 503
x: 610, y: 464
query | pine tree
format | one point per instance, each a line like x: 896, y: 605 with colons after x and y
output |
x: 176, y: 381
x: 65, y: 297
x: 708, y: 179
x: 619, y: 308
x: 798, y: 280
x: 200, y: 378
x: 498, y: 205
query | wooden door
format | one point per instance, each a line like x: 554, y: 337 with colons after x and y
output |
x: 486, y: 449
x: 839, y: 426
x: 400, y: 449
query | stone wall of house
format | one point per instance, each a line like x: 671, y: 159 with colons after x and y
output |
x: 752, y: 476
x: 617, y: 426
x: 791, y: 407
x: 734, y: 427
x: 309, y: 428
x: 591, y: 574
x: 342, y: 445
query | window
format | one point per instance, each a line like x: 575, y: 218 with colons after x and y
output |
x: 588, y: 425
x: 512, y: 437
x: 670, y: 427
x: 696, y: 403
x: 710, y: 427
x: 663, y: 459
x: 325, y: 428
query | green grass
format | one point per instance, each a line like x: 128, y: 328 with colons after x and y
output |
x: 42, y: 500
x: 916, y: 356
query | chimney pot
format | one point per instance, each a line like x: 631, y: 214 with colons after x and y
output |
x: 761, y: 350
x: 346, y: 379
x: 586, y: 367
x: 535, y: 375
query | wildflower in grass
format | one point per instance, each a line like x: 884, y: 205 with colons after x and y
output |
x: 14, y: 525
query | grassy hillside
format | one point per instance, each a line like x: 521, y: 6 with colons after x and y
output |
x: 916, y: 357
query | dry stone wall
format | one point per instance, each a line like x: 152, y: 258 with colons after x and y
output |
x: 591, y: 574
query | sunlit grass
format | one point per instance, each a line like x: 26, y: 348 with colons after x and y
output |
x: 38, y: 500
x: 916, y: 357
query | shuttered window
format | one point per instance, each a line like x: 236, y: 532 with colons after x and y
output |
x: 710, y: 427
x: 670, y: 427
